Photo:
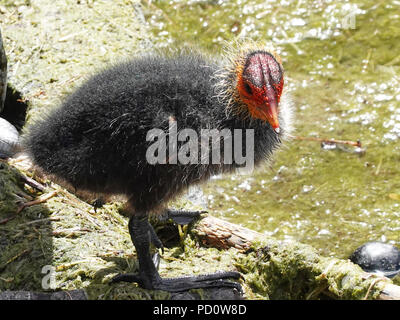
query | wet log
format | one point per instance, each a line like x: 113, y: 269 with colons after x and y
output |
x: 222, y: 234
x: 215, y: 232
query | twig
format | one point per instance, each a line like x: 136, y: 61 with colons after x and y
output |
x: 32, y: 183
x: 4, y: 221
x: 70, y: 232
x: 348, y: 142
x: 17, y: 256
x: 316, y: 292
x: 40, y: 220
x: 41, y: 199
x: 372, y: 285
x: 14, y: 258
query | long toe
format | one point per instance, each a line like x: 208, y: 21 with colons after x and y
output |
x: 181, y: 217
x: 156, y: 260
x: 187, y: 283
x: 126, y: 277
x: 154, y: 238
x: 217, y: 276
x: 213, y: 280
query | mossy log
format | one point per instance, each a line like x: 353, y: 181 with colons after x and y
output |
x: 297, y: 264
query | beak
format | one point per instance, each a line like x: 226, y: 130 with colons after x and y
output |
x: 272, y: 116
x: 271, y: 109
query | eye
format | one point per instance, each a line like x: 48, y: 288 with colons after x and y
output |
x: 248, y: 88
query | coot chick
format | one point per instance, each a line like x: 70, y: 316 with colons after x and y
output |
x: 97, y: 139
x: 378, y: 257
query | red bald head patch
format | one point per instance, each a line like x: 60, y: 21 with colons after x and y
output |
x: 260, y: 84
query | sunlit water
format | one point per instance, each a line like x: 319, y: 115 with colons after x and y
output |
x: 342, y: 63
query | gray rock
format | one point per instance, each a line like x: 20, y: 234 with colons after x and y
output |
x: 9, y: 139
x: 3, y: 74
x: 378, y: 257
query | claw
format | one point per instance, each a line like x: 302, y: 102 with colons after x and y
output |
x: 127, y: 277
x: 156, y: 260
x: 142, y: 233
x: 97, y: 204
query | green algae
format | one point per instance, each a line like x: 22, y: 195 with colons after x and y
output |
x: 85, y: 249
x: 21, y: 258
x: 290, y: 270
x: 9, y: 187
x: 44, y: 42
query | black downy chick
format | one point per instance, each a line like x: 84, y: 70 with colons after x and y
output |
x: 96, y: 140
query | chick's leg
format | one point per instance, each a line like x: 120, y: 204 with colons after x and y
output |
x: 148, y: 276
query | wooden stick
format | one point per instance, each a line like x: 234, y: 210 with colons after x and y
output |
x: 390, y: 292
x: 32, y: 183
x: 41, y: 199
x: 351, y: 143
x: 222, y: 234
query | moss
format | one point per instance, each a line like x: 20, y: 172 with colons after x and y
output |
x: 290, y: 270
x: 396, y: 280
x: 51, y: 49
x: 10, y: 186
x: 22, y: 257
x: 85, y: 249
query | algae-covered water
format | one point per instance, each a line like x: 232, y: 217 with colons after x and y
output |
x: 342, y: 62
